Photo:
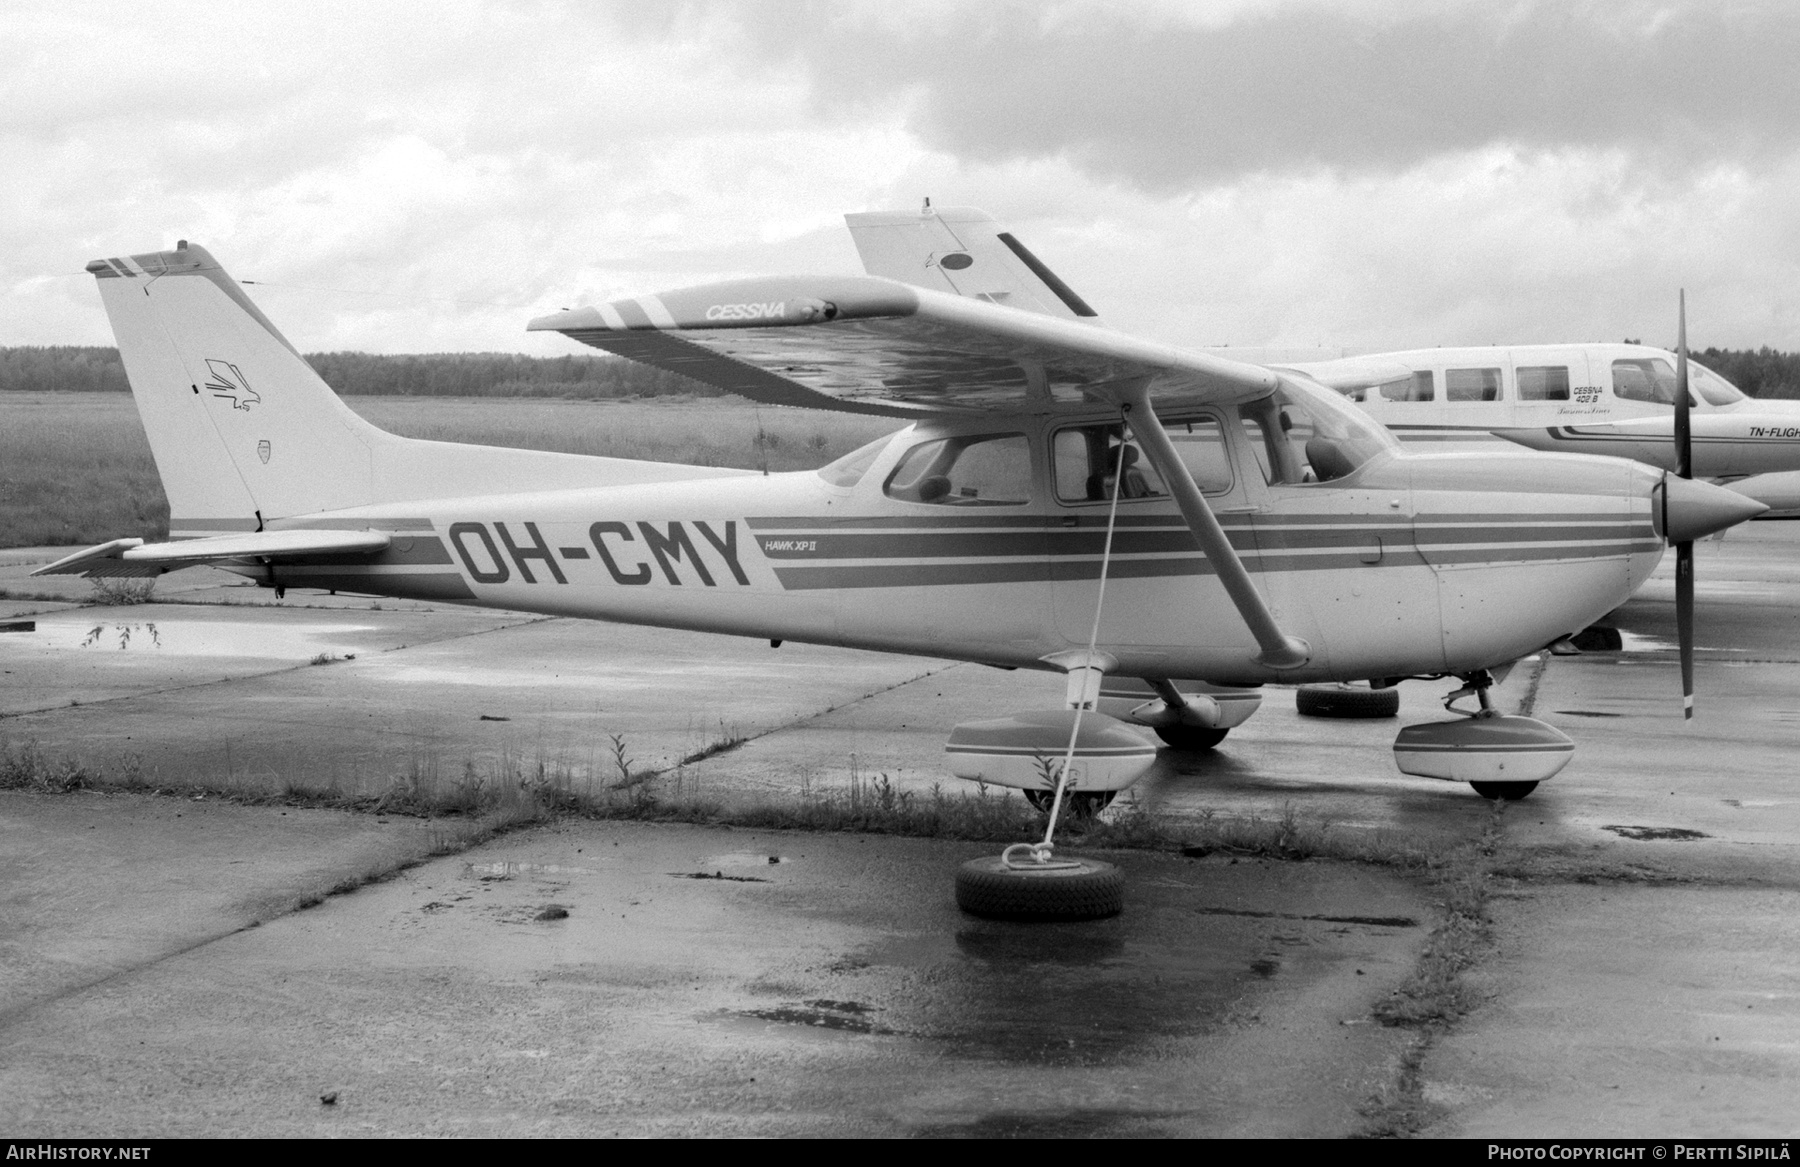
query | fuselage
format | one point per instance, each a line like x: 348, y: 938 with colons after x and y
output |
x: 982, y: 539
x: 1589, y: 398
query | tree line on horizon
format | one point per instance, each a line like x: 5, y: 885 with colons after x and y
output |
x: 91, y: 369
x: 1763, y: 372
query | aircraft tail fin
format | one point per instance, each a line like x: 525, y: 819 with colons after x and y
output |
x: 244, y: 432
x: 963, y: 251
x: 242, y: 428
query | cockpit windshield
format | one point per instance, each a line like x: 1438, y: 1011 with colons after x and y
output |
x: 1714, y: 388
x: 1303, y: 432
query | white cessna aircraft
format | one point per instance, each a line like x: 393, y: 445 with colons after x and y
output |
x: 1170, y: 527
x: 1614, y: 399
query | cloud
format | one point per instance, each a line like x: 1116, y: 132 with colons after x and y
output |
x: 1357, y: 174
x: 1167, y: 103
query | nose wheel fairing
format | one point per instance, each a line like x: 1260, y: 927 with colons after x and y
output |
x: 1501, y: 756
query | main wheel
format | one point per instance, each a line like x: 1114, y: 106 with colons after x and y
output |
x: 1504, y: 791
x: 1081, y: 804
x: 1089, y: 890
x: 1345, y: 701
x: 1191, y: 737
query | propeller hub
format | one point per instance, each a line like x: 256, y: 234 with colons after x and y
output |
x: 1690, y: 510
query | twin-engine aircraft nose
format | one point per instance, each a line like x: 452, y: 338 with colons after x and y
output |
x: 1688, y: 510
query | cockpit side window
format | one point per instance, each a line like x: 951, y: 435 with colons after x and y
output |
x: 1091, y: 459
x: 1644, y: 379
x: 985, y: 471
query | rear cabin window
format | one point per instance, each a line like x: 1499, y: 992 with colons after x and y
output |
x: 1088, y: 461
x: 992, y: 470
x: 1543, y: 382
x: 1419, y: 387
x: 1644, y: 379
x: 1471, y: 384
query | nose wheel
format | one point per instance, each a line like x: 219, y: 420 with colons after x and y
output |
x: 1503, y: 791
x: 1190, y: 737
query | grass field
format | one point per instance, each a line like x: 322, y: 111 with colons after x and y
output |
x: 76, y: 468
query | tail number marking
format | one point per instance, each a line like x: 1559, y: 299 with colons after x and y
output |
x: 671, y: 546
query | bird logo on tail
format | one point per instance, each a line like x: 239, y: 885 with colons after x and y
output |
x: 229, y: 383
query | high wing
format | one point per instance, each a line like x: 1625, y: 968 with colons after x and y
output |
x: 130, y: 557
x: 864, y: 344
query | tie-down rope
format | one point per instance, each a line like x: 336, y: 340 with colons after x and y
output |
x: 1041, y: 852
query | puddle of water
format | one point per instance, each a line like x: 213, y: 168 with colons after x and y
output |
x: 1365, y: 921
x: 508, y: 870
x: 1636, y: 642
x: 1654, y: 834
x: 180, y: 637
x: 718, y: 875
x: 843, y: 1016
x: 743, y: 859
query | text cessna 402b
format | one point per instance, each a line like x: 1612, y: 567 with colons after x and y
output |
x: 1168, y: 530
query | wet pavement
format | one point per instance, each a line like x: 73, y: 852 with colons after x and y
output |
x: 593, y: 979
x: 1645, y: 911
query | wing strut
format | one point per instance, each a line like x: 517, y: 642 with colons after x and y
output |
x: 1279, y: 650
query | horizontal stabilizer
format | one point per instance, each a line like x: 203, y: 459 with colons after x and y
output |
x: 1353, y: 373
x: 131, y: 557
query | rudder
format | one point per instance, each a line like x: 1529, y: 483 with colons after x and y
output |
x: 963, y: 251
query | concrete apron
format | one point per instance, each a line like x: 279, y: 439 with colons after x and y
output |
x: 590, y: 979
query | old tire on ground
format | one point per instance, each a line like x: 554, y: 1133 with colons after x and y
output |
x: 1091, y: 890
x: 1345, y: 701
x: 1079, y: 803
x: 1504, y: 791
x: 1191, y: 737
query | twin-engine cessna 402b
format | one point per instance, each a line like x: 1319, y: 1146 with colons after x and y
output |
x: 1615, y: 399
x: 1166, y: 528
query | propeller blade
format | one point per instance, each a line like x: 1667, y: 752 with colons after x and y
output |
x: 1684, y: 551
x: 1684, y: 440
x: 1684, y: 623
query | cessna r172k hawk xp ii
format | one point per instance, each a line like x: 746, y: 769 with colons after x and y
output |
x: 1167, y: 529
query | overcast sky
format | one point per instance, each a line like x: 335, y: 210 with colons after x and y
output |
x: 1359, y: 175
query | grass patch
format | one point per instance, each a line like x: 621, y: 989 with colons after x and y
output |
x: 1436, y: 995
x: 512, y: 791
x: 116, y: 591
x: 76, y: 468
